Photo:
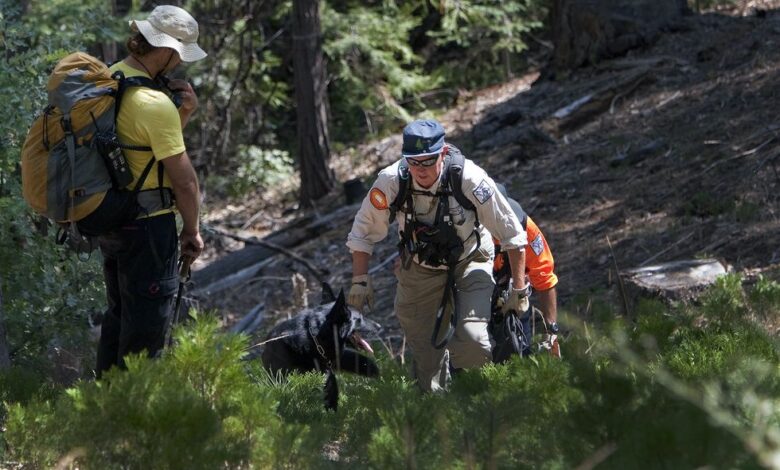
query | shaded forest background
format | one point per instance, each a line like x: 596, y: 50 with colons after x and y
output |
x: 673, y: 154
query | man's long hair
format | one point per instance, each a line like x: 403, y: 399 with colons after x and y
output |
x: 138, y: 45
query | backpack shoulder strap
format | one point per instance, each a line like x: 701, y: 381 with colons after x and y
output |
x: 404, y: 185
x: 124, y: 84
x: 130, y: 82
x: 519, y: 212
x: 139, y: 81
x: 455, y: 175
x: 455, y: 170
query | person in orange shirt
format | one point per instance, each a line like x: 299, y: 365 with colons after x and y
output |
x: 540, y: 269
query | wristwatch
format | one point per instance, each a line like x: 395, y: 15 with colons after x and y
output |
x: 553, y: 328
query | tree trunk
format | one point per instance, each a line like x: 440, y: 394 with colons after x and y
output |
x: 676, y: 281
x: 109, y: 51
x: 587, y: 31
x: 5, y: 356
x: 312, y: 102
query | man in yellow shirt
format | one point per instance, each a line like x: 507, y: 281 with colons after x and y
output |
x: 140, y: 258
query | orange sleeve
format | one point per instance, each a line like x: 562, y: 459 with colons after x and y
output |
x: 539, y: 262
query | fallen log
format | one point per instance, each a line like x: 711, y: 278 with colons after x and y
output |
x: 318, y: 273
x: 584, y: 109
x: 251, y: 321
x: 288, y: 237
x: 230, y: 281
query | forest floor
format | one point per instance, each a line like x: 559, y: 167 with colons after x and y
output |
x: 675, y: 156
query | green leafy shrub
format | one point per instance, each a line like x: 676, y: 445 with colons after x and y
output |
x: 188, y: 410
x: 48, y: 292
x: 504, y: 415
x: 765, y: 298
x: 391, y: 424
x: 260, y: 169
x: 725, y: 300
x: 705, y: 397
x: 377, y: 78
x: 488, y: 36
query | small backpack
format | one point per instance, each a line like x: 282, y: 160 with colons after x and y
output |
x: 72, y: 161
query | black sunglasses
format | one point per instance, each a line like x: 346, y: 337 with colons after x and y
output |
x: 427, y: 162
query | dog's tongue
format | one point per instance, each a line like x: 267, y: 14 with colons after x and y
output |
x: 361, y: 343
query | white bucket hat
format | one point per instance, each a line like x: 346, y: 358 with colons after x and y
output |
x: 171, y: 26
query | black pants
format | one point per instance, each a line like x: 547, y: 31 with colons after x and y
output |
x: 139, y: 266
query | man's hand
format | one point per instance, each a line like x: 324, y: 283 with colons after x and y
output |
x: 515, y: 300
x: 183, y: 88
x: 361, y: 293
x: 191, y: 244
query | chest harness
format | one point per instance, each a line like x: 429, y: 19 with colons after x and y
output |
x: 438, y: 244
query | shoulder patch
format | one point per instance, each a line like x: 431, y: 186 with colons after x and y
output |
x: 483, y: 192
x: 537, y: 245
x: 378, y: 199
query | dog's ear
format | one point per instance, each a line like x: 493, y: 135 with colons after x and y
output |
x: 327, y: 294
x: 341, y: 299
x: 340, y: 310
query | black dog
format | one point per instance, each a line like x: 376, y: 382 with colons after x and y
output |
x: 316, y: 339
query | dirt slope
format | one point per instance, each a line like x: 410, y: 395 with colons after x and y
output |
x: 677, y: 158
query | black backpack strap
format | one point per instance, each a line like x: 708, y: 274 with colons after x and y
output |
x: 519, y: 212
x: 406, y: 245
x: 134, y: 82
x: 144, y: 174
x: 404, y: 185
x: 160, y: 187
x: 124, y: 84
x: 454, y: 171
x: 450, y: 294
x: 139, y: 81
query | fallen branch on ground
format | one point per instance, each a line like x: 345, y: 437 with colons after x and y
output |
x: 317, y: 272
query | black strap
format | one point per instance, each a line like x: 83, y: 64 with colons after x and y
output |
x: 404, y: 185
x: 124, y: 84
x: 450, y: 290
x: 513, y: 328
x: 160, y: 181
x: 143, y: 176
x: 455, y: 172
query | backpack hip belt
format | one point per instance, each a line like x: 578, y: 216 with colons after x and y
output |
x: 154, y: 200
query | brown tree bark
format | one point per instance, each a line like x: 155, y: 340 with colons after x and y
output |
x: 312, y: 102
x: 5, y: 356
x: 587, y: 31
x: 112, y: 50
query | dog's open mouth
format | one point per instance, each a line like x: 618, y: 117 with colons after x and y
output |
x: 360, y: 343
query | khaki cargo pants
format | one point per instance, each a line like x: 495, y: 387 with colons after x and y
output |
x: 417, y: 299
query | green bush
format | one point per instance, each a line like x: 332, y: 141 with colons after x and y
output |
x: 259, y: 169
x: 486, y: 38
x: 701, y: 396
x: 765, y: 298
x: 48, y: 292
x: 725, y: 300
x: 377, y: 78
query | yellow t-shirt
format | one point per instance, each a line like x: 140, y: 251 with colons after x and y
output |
x: 149, y: 118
